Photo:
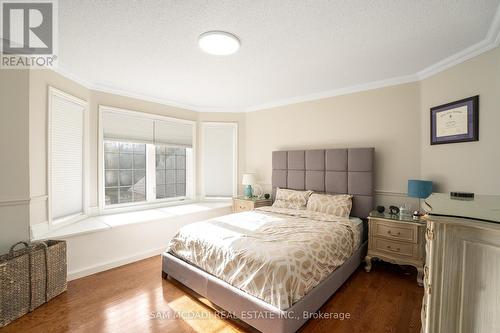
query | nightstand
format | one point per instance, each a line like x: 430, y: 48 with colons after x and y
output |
x: 241, y: 204
x: 396, y: 239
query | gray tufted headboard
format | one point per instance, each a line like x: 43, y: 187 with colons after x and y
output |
x: 348, y: 170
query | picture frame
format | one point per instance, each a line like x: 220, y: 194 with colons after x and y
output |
x: 455, y: 122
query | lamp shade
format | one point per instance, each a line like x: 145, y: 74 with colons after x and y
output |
x: 248, y: 179
x: 419, y: 188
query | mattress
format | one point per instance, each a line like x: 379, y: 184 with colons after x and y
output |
x: 275, y: 254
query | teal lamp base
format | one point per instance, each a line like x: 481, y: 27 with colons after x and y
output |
x: 248, y: 191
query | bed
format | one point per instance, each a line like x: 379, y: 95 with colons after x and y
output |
x: 253, y: 265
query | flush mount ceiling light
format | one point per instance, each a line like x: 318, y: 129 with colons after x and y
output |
x: 218, y: 42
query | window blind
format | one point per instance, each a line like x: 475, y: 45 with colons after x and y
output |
x: 122, y: 127
x: 219, y: 145
x: 66, y: 156
x: 173, y: 133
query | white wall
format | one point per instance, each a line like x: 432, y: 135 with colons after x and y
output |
x: 468, y: 166
x: 387, y: 119
x: 14, y: 159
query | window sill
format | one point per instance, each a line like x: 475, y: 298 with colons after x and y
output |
x: 110, y: 221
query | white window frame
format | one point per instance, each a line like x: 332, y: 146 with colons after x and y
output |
x: 151, y: 201
x: 234, y: 126
x: 86, y: 155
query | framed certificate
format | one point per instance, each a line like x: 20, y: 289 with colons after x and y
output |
x: 455, y: 122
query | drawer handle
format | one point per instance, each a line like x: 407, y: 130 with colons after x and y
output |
x: 390, y: 233
x: 395, y: 250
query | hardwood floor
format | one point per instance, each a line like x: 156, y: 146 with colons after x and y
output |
x: 134, y: 298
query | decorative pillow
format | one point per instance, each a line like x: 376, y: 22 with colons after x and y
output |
x: 291, y: 199
x: 339, y: 205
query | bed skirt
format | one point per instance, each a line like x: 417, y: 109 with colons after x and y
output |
x: 251, y: 310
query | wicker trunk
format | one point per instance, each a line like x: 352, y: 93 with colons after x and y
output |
x: 30, y: 277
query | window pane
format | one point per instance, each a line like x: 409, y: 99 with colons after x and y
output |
x: 126, y: 161
x: 181, y: 177
x: 139, y: 186
x: 160, y: 177
x: 126, y: 178
x: 139, y: 148
x: 160, y: 149
x: 160, y: 161
x: 111, y: 196
x: 111, y: 161
x: 126, y: 147
x: 139, y: 197
x: 139, y: 161
x: 125, y: 194
x: 111, y: 146
x: 170, y: 176
x: 170, y: 191
x: 180, y: 189
x: 126, y: 169
x: 139, y: 176
x: 181, y: 162
x: 170, y: 162
x: 170, y: 172
x: 111, y: 178
x: 160, y: 191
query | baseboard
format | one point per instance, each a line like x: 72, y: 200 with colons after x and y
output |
x: 112, y: 264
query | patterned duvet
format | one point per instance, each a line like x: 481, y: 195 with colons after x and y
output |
x: 275, y: 254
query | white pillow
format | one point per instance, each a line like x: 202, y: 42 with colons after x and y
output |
x: 338, y: 205
x: 291, y: 198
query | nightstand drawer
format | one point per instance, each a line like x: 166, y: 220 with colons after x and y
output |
x: 262, y: 203
x: 407, y: 233
x: 385, y: 245
x: 243, y: 205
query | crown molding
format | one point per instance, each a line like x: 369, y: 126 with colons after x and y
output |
x: 491, y: 41
x: 336, y: 92
x: 104, y: 89
x: 494, y: 32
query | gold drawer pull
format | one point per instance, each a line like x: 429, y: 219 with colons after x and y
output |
x: 396, y: 249
x: 390, y: 233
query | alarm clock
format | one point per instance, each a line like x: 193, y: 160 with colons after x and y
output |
x: 394, y: 210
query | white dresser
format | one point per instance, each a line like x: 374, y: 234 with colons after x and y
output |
x: 461, y: 276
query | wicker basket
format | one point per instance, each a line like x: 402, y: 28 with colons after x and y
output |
x: 31, y: 276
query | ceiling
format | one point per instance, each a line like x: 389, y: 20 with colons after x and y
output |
x: 291, y: 50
